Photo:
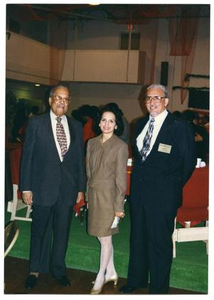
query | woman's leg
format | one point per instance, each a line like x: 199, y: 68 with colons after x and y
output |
x: 105, y: 255
x: 110, y: 270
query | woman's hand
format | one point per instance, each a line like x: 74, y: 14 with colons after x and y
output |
x: 120, y: 214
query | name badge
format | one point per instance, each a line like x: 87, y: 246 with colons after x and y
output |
x: 164, y: 148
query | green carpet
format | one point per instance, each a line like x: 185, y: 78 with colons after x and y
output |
x: 189, y: 268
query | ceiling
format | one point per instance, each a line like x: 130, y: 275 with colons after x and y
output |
x: 116, y: 13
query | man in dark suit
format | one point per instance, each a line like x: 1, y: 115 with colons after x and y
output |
x: 52, y: 181
x: 164, y: 161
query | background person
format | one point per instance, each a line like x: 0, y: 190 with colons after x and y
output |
x: 201, y: 135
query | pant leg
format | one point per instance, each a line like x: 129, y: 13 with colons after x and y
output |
x: 139, y: 259
x: 160, y: 228
x: 41, y: 233
x: 61, y: 227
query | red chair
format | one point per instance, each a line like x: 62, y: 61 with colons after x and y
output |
x: 194, y: 210
x: 16, y: 203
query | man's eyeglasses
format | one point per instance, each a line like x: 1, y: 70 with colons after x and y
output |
x: 58, y: 98
x: 156, y: 99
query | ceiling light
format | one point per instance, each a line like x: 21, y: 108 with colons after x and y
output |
x: 94, y: 3
x: 37, y: 84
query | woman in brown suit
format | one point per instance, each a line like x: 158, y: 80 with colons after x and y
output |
x: 106, y: 165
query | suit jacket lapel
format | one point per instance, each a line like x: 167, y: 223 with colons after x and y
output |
x: 70, y: 131
x: 50, y: 135
x: 138, y: 131
x: 165, y: 126
x: 71, y: 137
x: 142, y: 125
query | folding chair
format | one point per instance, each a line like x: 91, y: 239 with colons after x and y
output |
x: 16, y: 203
x: 11, y: 233
x: 194, y: 210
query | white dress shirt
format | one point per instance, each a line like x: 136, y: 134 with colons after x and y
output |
x: 157, y: 126
x: 64, y: 122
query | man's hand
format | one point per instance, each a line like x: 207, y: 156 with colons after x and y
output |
x: 198, y: 138
x: 27, y: 197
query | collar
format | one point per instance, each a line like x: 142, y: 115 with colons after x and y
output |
x: 159, y: 118
x: 53, y: 116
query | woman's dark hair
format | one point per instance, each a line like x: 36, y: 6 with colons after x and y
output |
x: 118, y: 117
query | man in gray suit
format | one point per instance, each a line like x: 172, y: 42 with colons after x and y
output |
x: 52, y: 181
x: 163, y: 162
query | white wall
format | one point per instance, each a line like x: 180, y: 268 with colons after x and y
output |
x: 96, y: 35
x: 29, y: 60
x: 126, y: 96
x: 115, y: 66
x: 103, y: 35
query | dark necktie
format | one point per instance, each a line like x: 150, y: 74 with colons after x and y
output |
x: 61, y: 137
x: 147, y: 140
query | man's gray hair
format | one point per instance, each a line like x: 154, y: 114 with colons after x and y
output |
x: 52, y: 91
x: 160, y: 87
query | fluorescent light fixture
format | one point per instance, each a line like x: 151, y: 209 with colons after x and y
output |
x: 94, y: 3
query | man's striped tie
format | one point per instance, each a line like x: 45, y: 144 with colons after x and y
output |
x: 147, y: 140
x: 61, y: 137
